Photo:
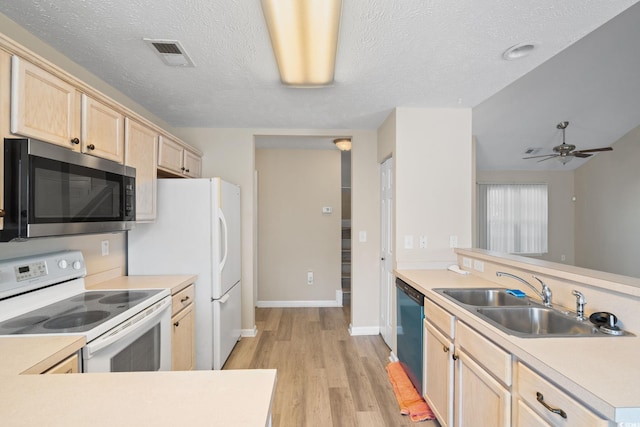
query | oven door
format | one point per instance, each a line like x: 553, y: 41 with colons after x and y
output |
x: 142, y: 343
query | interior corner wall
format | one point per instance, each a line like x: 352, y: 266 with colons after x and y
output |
x: 294, y: 235
x: 433, y: 185
x: 561, y: 208
x: 607, y: 190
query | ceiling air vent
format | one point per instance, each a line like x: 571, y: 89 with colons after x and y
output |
x: 170, y: 52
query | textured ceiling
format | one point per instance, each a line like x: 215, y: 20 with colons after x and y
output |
x: 391, y: 53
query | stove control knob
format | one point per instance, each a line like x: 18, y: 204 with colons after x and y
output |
x: 62, y: 264
x: 77, y: 265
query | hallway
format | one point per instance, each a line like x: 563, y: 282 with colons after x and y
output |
x: 325, y: 376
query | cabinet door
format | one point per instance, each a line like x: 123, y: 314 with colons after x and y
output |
x: 438, y: 371
x: 67, y: 366
x: 102, y: 130
x: 192, y: 164
x: 480, y: 400
x: 527, y: 417
x: 42, y: 105
x: 170, y: 155
x: 5, y: 102
x: 141, y: 152
x: 182, y: 340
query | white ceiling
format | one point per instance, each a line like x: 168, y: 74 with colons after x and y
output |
x: 391, y: 53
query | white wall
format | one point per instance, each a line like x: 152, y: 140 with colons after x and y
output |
x: 433, y: 184
x: 561, y: 207
x: 607, y: 225
x: 294, y: 235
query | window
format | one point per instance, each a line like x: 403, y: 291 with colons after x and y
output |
x: 513, y: 218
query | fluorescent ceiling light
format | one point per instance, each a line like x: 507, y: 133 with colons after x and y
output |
x: 304, y: 37
x: 344, y: 144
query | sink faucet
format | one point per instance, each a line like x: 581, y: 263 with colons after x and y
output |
x: 580, y: 302
x: 544, y: 294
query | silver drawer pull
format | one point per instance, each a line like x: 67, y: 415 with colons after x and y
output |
x: 540, y: 399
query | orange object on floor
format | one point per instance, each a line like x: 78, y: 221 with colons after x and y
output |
x: 411, y: 403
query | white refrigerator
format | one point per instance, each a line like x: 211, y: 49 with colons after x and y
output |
x: 197, y: 231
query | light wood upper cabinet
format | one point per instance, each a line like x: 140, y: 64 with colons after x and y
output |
x: 42, y: 105
x: 5, y: 102
x: 102, y: 130
x: 141, y: 152
x: 176, y: 159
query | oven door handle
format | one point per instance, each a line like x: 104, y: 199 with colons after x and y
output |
x: 138, y: 321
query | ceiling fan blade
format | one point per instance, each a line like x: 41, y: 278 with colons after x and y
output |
x: 550, y: 157
x: 544, y: 155
x: 580, y: 154
x: 595, y: 150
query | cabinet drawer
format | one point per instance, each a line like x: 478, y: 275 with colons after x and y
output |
x: 529, y: 384
x: 439, y: 317
x: 494, y: 359
x: 67, y: 366
x: 182, y: 299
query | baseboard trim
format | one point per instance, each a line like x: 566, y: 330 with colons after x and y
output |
x: 296, y: 304
x: 249, y: 333
x: 364, y: 330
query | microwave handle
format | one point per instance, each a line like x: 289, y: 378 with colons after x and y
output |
x: 138, y: 321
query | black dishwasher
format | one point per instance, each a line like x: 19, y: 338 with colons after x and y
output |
x: 409, y: 316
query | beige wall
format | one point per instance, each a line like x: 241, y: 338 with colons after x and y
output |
x: 607, y: 223
x: 433, y: 184
x: 561, y: 207
x: 229, y: 153
x: 294, y: 236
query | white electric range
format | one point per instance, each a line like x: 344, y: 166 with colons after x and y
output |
x: 125, y: 330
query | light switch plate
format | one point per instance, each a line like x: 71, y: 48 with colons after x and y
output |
x: 466, y: 262
x: 478, y: 266
x: 362, y: 236
x: 104, y: 246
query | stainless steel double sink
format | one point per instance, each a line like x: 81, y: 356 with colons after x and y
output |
x: 519, y: 316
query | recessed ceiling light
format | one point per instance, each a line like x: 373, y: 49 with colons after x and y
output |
x: 518, y: 51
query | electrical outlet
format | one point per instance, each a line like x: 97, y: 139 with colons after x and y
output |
x: 309, y: 277
x: 478, y: 266
x: 466, y: 262
x: 104, y: 245
x: 423, y: 242
x: 362, y: 236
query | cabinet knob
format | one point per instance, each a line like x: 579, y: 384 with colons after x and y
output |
x: 75, y: 141
x: 176, y: 324
x: 91, y: 147
x: 182, y: 168
x: 540, y: 398
x: 2, y: 213
x: 454, y: 357
x: 186, y: 170
x: 445, y: 348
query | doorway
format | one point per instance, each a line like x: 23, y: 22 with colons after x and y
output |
x: 386, y: 251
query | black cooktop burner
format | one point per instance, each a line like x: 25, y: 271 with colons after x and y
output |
x: 76, y: 320
x: 79, y: 313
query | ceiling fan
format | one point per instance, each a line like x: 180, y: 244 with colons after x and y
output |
x: 565, y: 152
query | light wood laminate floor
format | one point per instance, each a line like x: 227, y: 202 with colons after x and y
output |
x: 325, y: 376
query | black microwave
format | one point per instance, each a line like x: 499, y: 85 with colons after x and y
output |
x: 52, y: 191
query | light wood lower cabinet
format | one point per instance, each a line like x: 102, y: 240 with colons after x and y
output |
x: 141, y: 152
x: 480, y: 400
x: 539, y: 397
x: 67, y: 366
x: 183, y: 330
x: 438, y: 374
x: 43, y: 106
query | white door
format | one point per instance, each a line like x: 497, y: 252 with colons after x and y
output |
x: 386, y: 252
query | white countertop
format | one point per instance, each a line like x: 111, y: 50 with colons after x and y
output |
x: 603, y: 372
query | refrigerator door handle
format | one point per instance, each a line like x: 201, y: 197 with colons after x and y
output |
x: 223, y: 221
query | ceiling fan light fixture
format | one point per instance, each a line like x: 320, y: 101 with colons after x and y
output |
x: 343, y: 144
x: 564, y: 159
x: 304, y: 38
